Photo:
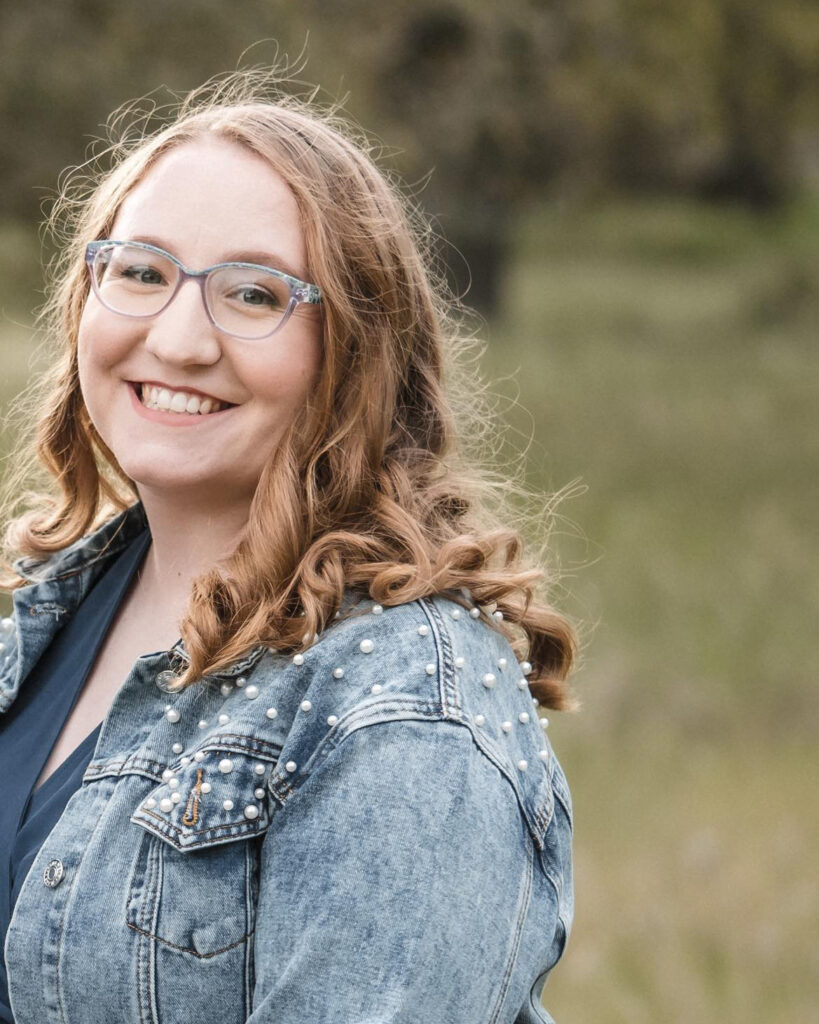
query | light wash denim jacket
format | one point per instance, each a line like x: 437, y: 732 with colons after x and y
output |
x: 374, y: 831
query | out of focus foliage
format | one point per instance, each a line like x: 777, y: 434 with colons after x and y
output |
x: 484, y: 104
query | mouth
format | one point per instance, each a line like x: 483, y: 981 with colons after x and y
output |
x: 177, y: 402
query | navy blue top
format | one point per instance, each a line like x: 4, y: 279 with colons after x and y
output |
x: 29, y: 730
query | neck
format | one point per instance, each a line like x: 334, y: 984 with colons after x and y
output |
x: 187, y: 539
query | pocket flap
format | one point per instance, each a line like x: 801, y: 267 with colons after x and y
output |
x: 218, y: 796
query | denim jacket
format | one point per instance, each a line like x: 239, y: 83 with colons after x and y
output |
x: 375, y: 831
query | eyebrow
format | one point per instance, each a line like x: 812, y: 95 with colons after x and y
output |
x: 269, y: 259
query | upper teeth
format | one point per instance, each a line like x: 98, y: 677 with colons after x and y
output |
x: 178, y: 401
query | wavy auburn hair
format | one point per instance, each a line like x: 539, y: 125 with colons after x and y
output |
x: 371, y: 490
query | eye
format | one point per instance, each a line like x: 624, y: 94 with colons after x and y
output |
x: 252, y: 295
x: 141, y: 274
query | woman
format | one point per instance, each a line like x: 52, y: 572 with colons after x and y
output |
x: 268, y: 749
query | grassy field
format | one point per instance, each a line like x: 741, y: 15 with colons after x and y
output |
x: 664, y: 353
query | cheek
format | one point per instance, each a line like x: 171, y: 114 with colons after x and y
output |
x: 288, y: 375
x: 101, y: 340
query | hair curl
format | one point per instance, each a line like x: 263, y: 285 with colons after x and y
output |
x: 382, y: 489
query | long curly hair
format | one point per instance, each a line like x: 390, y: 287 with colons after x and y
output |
x: 384, y: 488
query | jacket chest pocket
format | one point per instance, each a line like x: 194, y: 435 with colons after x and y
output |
x: 195, y: 879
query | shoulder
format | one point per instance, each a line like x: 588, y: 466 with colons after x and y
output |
x: 408, y: 669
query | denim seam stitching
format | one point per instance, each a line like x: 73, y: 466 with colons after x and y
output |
x: 187, y: 949
x: 171, y: 831
x: 446, y: 660
x: 357, y: 718
x: 526, y: 899
x: 152, y: 861
x: 67, y: 899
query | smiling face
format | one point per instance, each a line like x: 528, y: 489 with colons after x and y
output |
x: 203, y: 202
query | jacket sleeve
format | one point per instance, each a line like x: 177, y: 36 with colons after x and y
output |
x: 397, y: 887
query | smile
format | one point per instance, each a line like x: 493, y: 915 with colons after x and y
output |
x: 154, y: 397
x: 178, y: 408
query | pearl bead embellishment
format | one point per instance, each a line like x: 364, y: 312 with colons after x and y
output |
x: 226, y: 688
x: 206, y: 787
x: 459, y: 662
x: 525, y: 667
x: 488, y: 680
x: 479, y: 720
x: 522, y: 765
x: 225, y: 765
x: 498, y: 615
x: 228, y: 805
x: 506, y: 726
x: 522, y: 684
x: 173, y: 783
x: 431, y: 669
x: 175, y: 797
x: 224, y: 719
x: 252, y: 692
x: 376, y: 688
x: 305, y: 705
x: 366, y: 646
x: 475, y: 613
x: 172, y: 715
x: 166, y: 804
x: 501, y: 663
x: 177, y: 748
x: 338, y: 673
x: 167, y: 774
x: 377, y: 609
x: 240, y: 682
x: 203, y: 723
x: 259, y: 768
x: 199, y: 756
x: 523, y: 717
x: 271, y: 712
x: 150, y: 803
x: 258, y: 793
x: 543, y: 755
x: 290, y: 766
x: 251, y: 811
x: 544, y: 723
x: 298, y: 659
x: 456, y: 613
x: 332, y: 719
x: 423, y: 630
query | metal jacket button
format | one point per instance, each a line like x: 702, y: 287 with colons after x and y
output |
x: 53, y: 874
x: 165, y: 681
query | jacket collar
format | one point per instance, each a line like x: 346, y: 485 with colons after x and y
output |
x: 97, y: 547
x: 81, y: 563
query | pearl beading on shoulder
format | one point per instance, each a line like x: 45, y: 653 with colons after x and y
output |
x: 489, y: 680
x: 365, y: 646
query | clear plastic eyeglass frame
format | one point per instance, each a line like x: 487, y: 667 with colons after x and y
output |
x: 300, y: 291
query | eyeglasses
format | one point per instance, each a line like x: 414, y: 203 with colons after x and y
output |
x: 242, y: 299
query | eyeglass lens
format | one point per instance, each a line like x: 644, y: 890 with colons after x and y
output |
x: 138, y: 282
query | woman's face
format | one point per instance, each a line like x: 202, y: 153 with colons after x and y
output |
x: 204, y: 202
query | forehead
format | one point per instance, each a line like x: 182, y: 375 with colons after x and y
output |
x: 211, y: 196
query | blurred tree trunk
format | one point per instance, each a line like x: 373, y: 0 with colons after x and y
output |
x: 759, y: 82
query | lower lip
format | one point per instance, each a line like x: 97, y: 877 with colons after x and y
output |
x: 173, y: 419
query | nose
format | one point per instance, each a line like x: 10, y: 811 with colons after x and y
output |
x: 182, y: 334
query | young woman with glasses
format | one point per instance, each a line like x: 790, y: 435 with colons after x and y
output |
x: 271, y: 737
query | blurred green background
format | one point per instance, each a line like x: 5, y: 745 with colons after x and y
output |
x: 634, y: 188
